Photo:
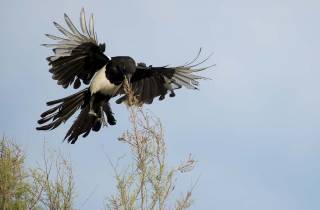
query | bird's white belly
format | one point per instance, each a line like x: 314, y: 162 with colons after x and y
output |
x: 101, y: 84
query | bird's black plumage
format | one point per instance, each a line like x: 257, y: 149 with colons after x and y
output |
x: 79, y: 58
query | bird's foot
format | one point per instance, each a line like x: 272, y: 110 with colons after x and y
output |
x: 111, y: 120
x: 161, y: 97
x: 172, y: 94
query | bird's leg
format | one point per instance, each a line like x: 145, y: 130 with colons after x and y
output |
x: 91, y: 111
x: 103, y: 119
x: 172, y: 94
x: 110, y: 118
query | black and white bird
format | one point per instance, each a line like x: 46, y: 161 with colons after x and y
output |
x: 79, y: 59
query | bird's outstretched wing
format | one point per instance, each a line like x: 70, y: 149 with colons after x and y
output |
x: 77, y: 56
x: 150, y: 82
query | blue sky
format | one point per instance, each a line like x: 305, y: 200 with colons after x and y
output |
x: 254, y: 128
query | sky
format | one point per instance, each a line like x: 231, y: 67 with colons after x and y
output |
x: 254, y: 128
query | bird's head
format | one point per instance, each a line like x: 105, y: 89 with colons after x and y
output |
x: 125, y: 64
x: 121, y: 67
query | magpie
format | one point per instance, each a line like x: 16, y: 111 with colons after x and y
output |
x: 78, y: 59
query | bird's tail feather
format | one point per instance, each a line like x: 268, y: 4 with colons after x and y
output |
x: 64, y: 108
x: 83, y: 125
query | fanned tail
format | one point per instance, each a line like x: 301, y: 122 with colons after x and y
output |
x: 64, y: 108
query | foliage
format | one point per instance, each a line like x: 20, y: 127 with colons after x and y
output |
x: 54, y: 182
x: 49, y: 187
x: 15, y: 191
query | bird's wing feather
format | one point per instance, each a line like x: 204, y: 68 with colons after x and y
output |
x: 150, y: 82
x: 77, y: 56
